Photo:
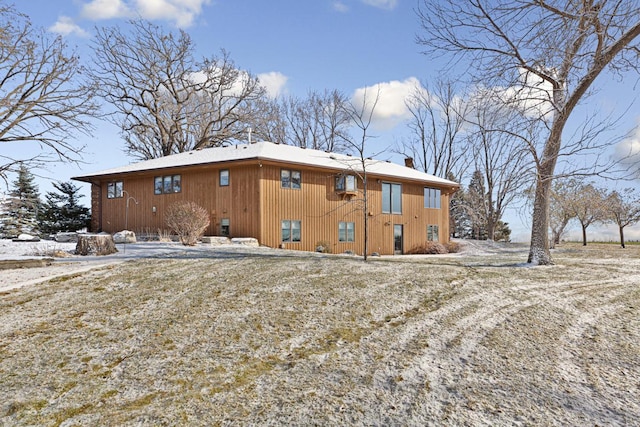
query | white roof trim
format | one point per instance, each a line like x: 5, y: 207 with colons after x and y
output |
x: 274, y: 152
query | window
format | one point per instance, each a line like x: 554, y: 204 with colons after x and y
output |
x: 346, y: 231
x: 431, y: 198
x: 224, y: 227
x: 391, y: 198
x: 167, y: 184
x: 291, y: 231
x: 114, y: 190
x: 432, y: 233
x: 346, y: 183
x: 224, y: 177
x: 290, y: 179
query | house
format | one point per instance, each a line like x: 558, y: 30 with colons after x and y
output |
x: 284, y: 196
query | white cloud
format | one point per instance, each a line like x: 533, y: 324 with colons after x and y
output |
x: 66, y: 26
x: 391, y: 108
x: 382, y: 4
x: 274, y: 82
x: 106, y: 9
x: 628, y: 151
x: 340, y: 6
x: 181, y: 12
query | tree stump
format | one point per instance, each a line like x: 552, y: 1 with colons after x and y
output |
x: 95, y: 244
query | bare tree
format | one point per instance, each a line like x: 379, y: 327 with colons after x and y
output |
x: 318, y: 121
x: 361, y: 116
x: 623, y: 208
x: 437, y: 142
x: 500, y: 158
x: 43, y: 97
x: 588, y: 206
x: 560, y: 211
x: 165, y: 100
x: 551, y: 52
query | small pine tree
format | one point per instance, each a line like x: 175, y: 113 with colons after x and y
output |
x: 459, y: 221
x: 21, y: 207
x: 475, y: 202
x: 503, y: 232
x: 62, y: 210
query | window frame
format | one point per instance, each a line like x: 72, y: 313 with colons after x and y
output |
x: 433, y: 233
x: 432, y: 197
x: 115, y: 190
x: 346, y: 232
x: 225, y: 223
x: 167, y: 184
x: 392, y: 203
x: 346, y: 183
x: 291, y: 179
x: 293, y: 230
x: 224, y: 178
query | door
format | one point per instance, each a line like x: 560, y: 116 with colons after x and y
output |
x: 397, y: 239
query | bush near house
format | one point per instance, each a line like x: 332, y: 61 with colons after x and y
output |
x: 435, y: 248
x: 188, y: 220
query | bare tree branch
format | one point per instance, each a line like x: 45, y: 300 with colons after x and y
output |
x: 165, y: 100
x: 43, y: 96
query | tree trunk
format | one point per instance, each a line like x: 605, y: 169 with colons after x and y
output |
x: 621, y: 236
x: 95, y: 244
x: 539, y: 252
x: 584, y: 236
x: 491, y: 228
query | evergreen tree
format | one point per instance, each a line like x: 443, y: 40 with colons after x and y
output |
x: 459, y: 221
x: 21, y: 208
x: 503, y: 232
x: 475, y: 203
x: 62, y: 210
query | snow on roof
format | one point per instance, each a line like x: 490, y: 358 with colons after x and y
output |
x: 273, y: 152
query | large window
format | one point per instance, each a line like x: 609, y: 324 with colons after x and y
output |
x: 433, y: 233
x: 114, y: 189
x: 167, y: 184
x: 346, y: 231
x: 391, y: 198
x: 431, y: 198
x: 224, y: 177
x: 291, y: 231
x: 290, y: 179
x: 346, y: 183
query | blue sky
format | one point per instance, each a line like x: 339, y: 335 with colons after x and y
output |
x: 293, y: 46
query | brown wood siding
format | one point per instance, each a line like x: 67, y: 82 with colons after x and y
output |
x: 320, y: 209
x: 255, y: 205
x: 238, y: 202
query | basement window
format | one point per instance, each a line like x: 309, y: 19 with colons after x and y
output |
x: 433, y: 232
x: 225, y: 227
x: 291, y: 230
x: 346, y: 231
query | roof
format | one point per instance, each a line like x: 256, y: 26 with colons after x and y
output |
x: 273, y: 152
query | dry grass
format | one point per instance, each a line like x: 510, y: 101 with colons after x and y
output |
x: 286, y: 338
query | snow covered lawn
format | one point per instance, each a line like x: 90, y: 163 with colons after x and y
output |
x: 207, y: 336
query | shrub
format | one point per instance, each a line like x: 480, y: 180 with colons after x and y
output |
x: 428, y: 248
x: 188, y: 221
x: 323, y: 246
x: 452, y: 247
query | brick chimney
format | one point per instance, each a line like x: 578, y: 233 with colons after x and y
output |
x: 408, y: 162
